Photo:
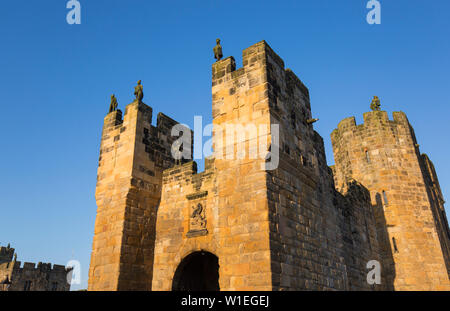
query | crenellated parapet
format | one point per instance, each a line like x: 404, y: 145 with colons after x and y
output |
x: 40, y: 267
x: 187, y: 173
x: 264, y: 76
x: 362, y: 147
x: 372, y: 119
x: 28, y: 276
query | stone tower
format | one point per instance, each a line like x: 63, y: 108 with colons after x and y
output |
x: 231, y: 191
x: 383, y: 155
x: 133, y: 154
x: 267, y: 222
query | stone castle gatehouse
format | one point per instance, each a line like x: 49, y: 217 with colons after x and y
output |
x: 303, y: 226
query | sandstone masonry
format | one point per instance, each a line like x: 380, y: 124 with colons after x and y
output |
x: 304, y: 226
x: 384, y: 156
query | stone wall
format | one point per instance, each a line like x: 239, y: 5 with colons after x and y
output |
x: 29, y: 277
x: 384, y: 157
x: 42, y: 277
x: 359, y: 244
x: 183, y: 191
x: 315, y: 239
x: 437, y: 206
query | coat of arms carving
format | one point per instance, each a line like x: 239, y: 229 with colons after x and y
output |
x: 197, y: 221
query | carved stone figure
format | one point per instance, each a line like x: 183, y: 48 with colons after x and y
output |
x: 218, y: 51
x: 375, y: 105
x: 113, y: 105
x: 198, y: 221
x: 139, y: 92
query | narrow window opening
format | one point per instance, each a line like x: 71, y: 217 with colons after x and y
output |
x: 303, y: 160
x: 27, y: 286
x: 385, y: 198
x: 54, y: 286
x: 367, y: 156
x: 293, y: 119
x: 394, y: 243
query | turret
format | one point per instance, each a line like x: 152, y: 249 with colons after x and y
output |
x: 133, y: 154
x: 383, y: 155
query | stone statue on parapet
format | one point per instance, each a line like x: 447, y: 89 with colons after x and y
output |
x: 113, y: 105
x: 218, y: 51
x: 139, y: 92
x: 375, y: 105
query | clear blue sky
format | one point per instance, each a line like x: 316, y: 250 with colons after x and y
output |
x: 56, y: 80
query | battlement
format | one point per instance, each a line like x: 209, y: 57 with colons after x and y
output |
x: 165, y: 123
x: 261, y: 46
x: 375, y: 117
x: 6, y: 254
x: 372, y: 119
x: 115, y: 119
x: 188, y: 171
x: 43, y: 267
x: 257, y: 56
x: 262, y: 92
x: 355, y: 192
x: 118, y: 133
x: 251, y: 56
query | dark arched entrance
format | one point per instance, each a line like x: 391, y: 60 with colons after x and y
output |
x: 198, y: 271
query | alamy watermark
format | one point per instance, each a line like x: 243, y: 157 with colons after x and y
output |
x: 229, y: 141
x: 374, y: 15
x: 74, y: 276
x: 74, y: 15
x: 374, y: 275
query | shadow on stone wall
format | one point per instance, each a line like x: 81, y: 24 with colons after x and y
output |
x: 387, y: 262
x: 437, y: 205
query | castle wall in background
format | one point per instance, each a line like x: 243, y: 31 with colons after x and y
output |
x: 31, y: 277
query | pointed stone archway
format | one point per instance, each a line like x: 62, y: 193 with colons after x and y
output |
x: 198, y: 271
